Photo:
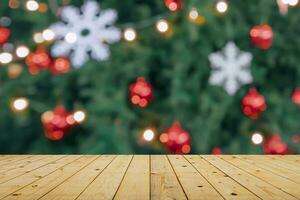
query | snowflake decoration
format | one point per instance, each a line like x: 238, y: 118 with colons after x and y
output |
x: 230, y: 68
x: 83, y: 32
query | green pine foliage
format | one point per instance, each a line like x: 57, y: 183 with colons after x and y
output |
x: 177, y: 66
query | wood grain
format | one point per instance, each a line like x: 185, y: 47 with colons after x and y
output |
x: 145, y: 177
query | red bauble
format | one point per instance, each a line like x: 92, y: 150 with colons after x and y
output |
x: 57, y: 122
x: 140, y: 92
x: 173, y: 5
x: 274, y: 145
x: 253, y: 104
x: 261, y: 36
x: 216, y: 151
x: 4, y: 35
x: 176, y: 139
x: 296, y: 96
x: 38, y: 60
x: 60, y: 65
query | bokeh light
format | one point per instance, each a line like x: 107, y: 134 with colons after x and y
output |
x: 148, y: 135
x: 257, y: 138
x: 129, y: 34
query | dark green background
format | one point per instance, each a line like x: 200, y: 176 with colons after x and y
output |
x: 178, y: 69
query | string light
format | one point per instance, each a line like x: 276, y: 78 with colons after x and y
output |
x: 129, y: 34
x: 32, y: 5
x: 13, y: 4
x: 257, y: 138
x: 148, y: 135
x: 38, y: 38
x: 47, y: 116
x: 79, y: 116
x: 22, y: 51
x: 162, y: 26
x: 48, y: 34
x: 193, y: 14
x: 43, y: 7
x: 20, y: 104
x: 5, y: 58
x: 14, y: 70
x: 71, y: 37
x: 222, y: 6
x: 195, y: 17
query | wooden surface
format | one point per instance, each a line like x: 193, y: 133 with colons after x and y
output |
x: 89, y: 177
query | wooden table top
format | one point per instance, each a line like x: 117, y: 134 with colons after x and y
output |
x: 88, y: 177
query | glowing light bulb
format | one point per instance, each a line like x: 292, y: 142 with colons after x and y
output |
x: 32, y: 5
x: 48, y: 34
x: 222, y: 6
x: 38, y: 38
x: 20, y: 104
x: 47, y: 116
x: 129, y: 34
x: 257, y: 138
x: 193, y: 14
x: 71, y: 37
x: 162, y: 26
x: 148, y: 135
x: 5, y: 58
x: 79, y: 116
x: 22, y: 51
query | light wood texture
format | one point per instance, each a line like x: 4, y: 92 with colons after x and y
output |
x: 224, y: 184
x: 145, y: 177
x: 139, y: 167
x: 193, y: 183
x: 164, y: 183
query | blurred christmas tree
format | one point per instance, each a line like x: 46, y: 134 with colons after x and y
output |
x: 149, y: 76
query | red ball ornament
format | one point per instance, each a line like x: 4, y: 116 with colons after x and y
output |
x: 140, y: 92
x: 176, y: 139
x: 4, y: 35
x: 60, y: 65
x: 38, y: 60
x: 216, y: 151
x: 173, y: 5
x: 275, y: 145
x: 253, y: 104
x: 57, y: 123
x: 261, y: 36
x: 296, y: 96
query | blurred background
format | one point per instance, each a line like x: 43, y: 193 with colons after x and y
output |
x: 159, y: 76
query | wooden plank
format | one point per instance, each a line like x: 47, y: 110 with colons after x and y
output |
x: 6, y: 176
x: 44, y: 185
x: 194, y: 184
x: 292, y: 159
x: 224, y: 184
x: 293, y: 176
x: 27, y: 178
x: 252, y: 183
x: 107, y: 183
x: 20, y: 163
x: 3, y: 157
x: 164, y: 183
x: 269, y: 177
x: 136, y: 179
x: 11, y: 159
x: 72, y: 187
x: 279, y: 162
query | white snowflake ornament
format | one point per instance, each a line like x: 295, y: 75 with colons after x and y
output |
x: 230, y: 68
x: 85, y: 31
